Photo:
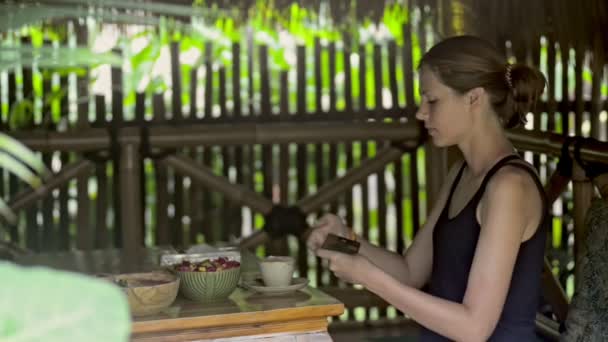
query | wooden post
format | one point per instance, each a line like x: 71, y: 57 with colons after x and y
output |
x: 582, y: 191
x: 130, y: 192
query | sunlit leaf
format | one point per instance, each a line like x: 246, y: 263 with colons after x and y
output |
x: 12, y: 165
x: 22, y: 115
x: 16, y: 148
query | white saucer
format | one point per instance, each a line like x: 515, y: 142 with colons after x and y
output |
x: 258, y: 286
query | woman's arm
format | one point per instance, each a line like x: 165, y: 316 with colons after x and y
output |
x: 509, y: 210
x: 414, y: 267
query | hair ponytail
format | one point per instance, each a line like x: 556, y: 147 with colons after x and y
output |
x: 526, y: 86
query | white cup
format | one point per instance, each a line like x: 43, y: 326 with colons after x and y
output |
x: 277, y: 270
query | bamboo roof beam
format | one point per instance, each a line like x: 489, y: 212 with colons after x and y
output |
x: 279, y: 133
x: 551, y: 143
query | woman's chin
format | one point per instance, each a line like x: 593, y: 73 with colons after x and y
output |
x: 437, y: 142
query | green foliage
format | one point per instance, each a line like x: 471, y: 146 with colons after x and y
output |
x: 16, y: 158
x: 41, y: 304
x: 395, y: 16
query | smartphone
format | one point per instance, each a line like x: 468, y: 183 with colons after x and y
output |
x: 341, y: 244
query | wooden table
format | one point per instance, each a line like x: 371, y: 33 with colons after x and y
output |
x: 298, y: 316
x: 244, y: 313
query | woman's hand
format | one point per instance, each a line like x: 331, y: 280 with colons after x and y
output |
x: 355, y: 269
x: 329, y: 223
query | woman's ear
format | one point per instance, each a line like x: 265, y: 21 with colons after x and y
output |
x: 474, y: 96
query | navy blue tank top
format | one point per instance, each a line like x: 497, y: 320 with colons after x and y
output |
x: 454, y: 243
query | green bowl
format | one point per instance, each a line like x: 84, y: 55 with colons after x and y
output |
x: 207, y: 286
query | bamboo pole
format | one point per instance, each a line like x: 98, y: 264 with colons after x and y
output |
x: 551, y: 143
x: 75, y: 141
x: 167, y: 136
x: 332, y: 190
x: 279, y: 133
x: 69, y: 172
x: 582, y: 193
x: 206, y: 177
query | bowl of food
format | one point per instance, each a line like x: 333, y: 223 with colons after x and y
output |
x: 208, y: 278
x: 148, y: 293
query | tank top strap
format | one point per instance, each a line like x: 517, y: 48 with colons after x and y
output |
x: 455, y: 183
x: 492, y: 171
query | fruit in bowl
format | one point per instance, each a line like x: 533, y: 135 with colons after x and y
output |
x: 148, y: 293
x: 207, y: 265
x: 209, y: 279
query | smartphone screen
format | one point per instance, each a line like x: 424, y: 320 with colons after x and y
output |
x: 340, y: 244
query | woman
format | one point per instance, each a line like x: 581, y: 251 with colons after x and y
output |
x: 481, y: 248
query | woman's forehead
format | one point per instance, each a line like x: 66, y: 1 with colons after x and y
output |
x: 429, y: 82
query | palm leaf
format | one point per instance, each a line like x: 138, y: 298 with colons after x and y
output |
x: 13, y: 165
x: 16, y: 148
x: 50, y: 57
x: 13, y: 17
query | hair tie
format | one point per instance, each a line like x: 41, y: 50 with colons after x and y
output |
x: 508, y: 76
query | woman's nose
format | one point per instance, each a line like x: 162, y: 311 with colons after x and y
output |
x: 421, y: 112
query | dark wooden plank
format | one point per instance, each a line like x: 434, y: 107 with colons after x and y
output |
x: 551, y: 83
x: 85, y: 229
x: 32, y: 233
x: 250, y: 160
x: 565, y: 57
x: 140, y: 111
x: 333, y: 148
x: 399, y: 198
x: 578, y: 89
x: 332, y: 166
x: 534, y: 51
x: 565, y: 126
x: 331, y: 52
x: 117, y: 121
x: 365, y: 215
x: 392, y: 73
x: 101, y: 228
x: 348, y: 147
x: 237, y: 113
x: 284, y: 165
x: 3, y: 128
x: 196, y: 191
x: 163, y: 233
x: 13, y: 183
x: 230, y: 212
x: 207, y: 205
x: 348, y: 115
x: 275, y: 246
x: 65, y: 241
x: 380, y: 180
x: 318, y: 75
x: 362, y: 84
x: 422, y: 29
x: 49, y: 236
x: 597, y: 69
x: 176, y: 109
x: 176, y: 83
x: 415, y: 192
x: 208, y: 109
x: 316, y: 154
x: 301, y: 156
x: 378, y: 80
x: 397, y: 165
